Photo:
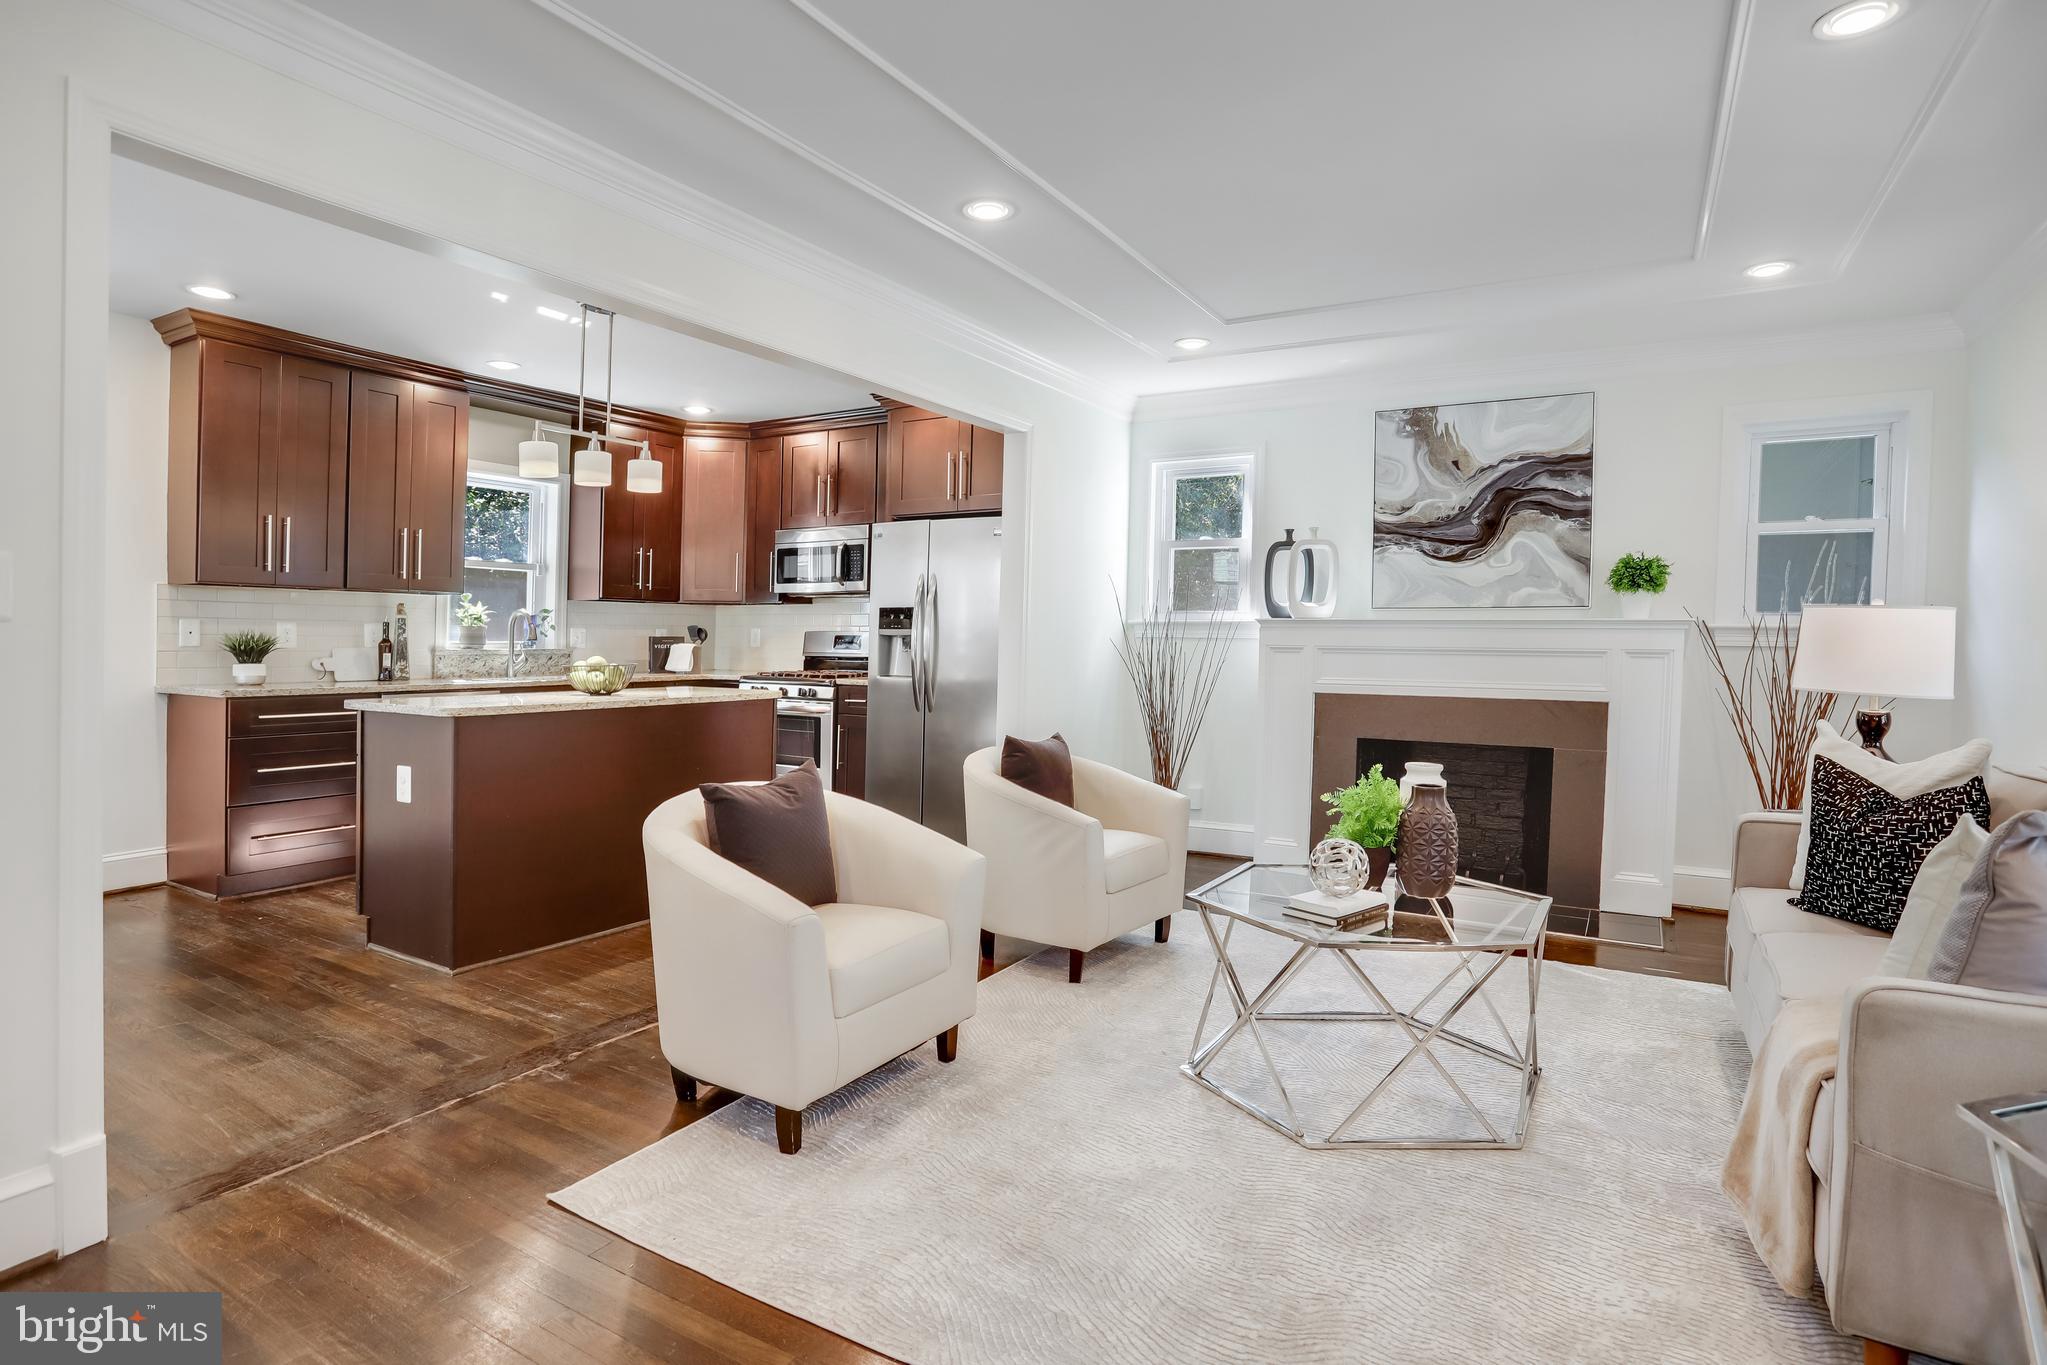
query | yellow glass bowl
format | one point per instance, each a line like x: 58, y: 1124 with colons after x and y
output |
x: 600, y: 680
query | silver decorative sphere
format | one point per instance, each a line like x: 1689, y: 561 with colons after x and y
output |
x: 1338, y: 867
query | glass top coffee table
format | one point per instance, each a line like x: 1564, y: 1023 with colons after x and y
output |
x: 2015, y: 1127
x: 1462, y: 943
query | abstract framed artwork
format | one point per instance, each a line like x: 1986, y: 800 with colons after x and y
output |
x: 1483, y: 504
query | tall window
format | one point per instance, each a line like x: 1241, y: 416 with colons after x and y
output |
x: 505, y: 544
x: 1202, y: 534
x: 1819, y: 524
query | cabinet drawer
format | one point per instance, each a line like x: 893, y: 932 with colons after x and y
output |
x: 286, y: 834
x: 291, y: 715
x: 853, y: 699
x: 289, y: 767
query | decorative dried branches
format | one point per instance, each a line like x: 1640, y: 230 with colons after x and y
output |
x: 1174, y: 661
x: 1774, y: 722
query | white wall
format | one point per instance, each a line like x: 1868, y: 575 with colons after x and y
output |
x: 1657, y: 475
x: 80, y: 70
x: 2004, y: 645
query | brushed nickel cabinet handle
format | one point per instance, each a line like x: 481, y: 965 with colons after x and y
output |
x: 269, y: 541
x: 967, y: 473
x: 287, y: 544
x: 948, y: 475
x: 736, y: 565
x: 298, y: 715
x: 292, y: 833
x: 309, y: 767
x: 831, y: 493
x: 404, y: 552
x: 819, y: 502
x: 419, y: 555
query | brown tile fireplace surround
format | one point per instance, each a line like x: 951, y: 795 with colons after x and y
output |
x: 1527, y: 778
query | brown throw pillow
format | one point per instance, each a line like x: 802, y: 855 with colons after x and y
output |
x: 1045, y: 767
x: 776, y: 830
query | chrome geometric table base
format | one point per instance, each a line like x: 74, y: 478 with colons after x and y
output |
x: 1476, y: 964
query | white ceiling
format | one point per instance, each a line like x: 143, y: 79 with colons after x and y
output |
x: 1319, y: 185
x: 306, y: 275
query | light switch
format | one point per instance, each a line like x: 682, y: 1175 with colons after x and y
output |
x: 404, y: 784
x: 578, y: 637
x: 753, y: 637
x: 1192, y: 791
x: 6, y: 585
x: 287, y: 635
x: 371, y: 633
x: 188, y: 632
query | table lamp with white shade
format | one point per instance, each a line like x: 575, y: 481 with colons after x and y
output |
x: 1881, y: 653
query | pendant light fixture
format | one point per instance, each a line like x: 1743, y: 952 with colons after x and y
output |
x: 539, y: 458
x: 643, y: 472
x: 593, y: 461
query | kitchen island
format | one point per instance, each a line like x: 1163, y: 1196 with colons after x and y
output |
x: 496, y: 825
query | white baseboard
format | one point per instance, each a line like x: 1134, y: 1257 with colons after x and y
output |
x: 28, y: 1215
x: 1701, y: 886
x: 80, y: 1169
x: 1214, y: 836
x: 136, y: 867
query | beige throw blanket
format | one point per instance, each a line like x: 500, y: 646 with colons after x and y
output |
x: 1767, y: 1175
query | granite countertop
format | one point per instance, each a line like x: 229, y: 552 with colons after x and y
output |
x: 540, y: 703
x: 429, y: 686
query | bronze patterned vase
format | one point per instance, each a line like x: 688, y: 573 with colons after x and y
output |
x: 1428, y: 842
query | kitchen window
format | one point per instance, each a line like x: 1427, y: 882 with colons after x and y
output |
x: 1201, y: 534
x: 506, y: 531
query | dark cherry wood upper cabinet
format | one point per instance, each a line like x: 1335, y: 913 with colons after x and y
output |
x: 806, y: 461
x: 763, y: 516
x: 980, y: 480
x: 849, y: 479
x: 312, y: 474
x: 923, y: 463
x: 660, y: 514
x: 626, y: 546
x: 440, y: 487
x: 939, y: 466
x: 715, y: 528
x: 234, y: 488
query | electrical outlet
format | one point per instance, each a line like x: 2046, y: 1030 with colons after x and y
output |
x: 1192, y: 791
x: 404, y: 784
x: 753, y: 637
x: 371, y: 633
x: 6, y: 585
x: 578, y: 637
x: 188, y: 632
x: 287, y: 635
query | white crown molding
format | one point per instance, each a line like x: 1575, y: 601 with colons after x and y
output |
x: 1904, y: 336
x: 2009, y: 281
x: 286, y: 37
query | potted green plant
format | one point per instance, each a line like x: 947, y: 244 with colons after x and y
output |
x: 249, y: 648
x: 471, y: 616
x: 1368, y: 814
x: 1638, y: 579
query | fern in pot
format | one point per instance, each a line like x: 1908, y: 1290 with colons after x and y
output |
x: 1638, y: 579
x: 1368, y: 814
x: 249, y: 648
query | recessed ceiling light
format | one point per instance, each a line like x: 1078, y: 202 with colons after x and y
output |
x: 1192, y: 343
x: 557, y: 314
x: 1769, y: 270
x: 988, y: 210
x: 698, y: 410
x: 208, y: 291
x: 1856, y: 18
x: 502, y: 364
x: 500, y: 296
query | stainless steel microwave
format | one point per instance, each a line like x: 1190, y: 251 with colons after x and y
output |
x: 822, y: 561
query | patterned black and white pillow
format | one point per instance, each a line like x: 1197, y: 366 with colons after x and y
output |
x: 1867, y: 844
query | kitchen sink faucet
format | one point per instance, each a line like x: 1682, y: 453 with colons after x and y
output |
x: 512, y: 628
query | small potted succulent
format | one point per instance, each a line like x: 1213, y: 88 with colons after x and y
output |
x: 249, y: 648
x: 1368, y: 814
x: 471, y: 616
x: 1638, y: 579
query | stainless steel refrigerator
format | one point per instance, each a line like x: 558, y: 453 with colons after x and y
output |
x: 934, y: 603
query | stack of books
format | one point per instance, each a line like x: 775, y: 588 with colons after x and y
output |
x: 1363, y: 910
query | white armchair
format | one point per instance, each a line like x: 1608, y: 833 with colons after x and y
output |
x: 759, y: 993
x: 1076, y: 877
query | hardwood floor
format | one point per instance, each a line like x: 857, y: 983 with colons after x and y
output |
x: 357, y: 1152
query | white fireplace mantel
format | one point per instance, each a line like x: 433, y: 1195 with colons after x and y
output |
x: 1635, y: 667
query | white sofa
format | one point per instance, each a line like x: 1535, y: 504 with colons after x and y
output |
x: 1907, y: 1236
x: 762, y: 994
x: 1076, y: 876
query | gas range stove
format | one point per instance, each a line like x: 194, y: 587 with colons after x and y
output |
x: 830, y: 658
x: 808, y: 675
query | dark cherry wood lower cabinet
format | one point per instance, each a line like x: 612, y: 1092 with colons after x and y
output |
x: 259, y: 794
x: 523, y: 831
x: 849, y: 743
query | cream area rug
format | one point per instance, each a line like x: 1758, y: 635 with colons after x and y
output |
x: 1063, y: 1193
